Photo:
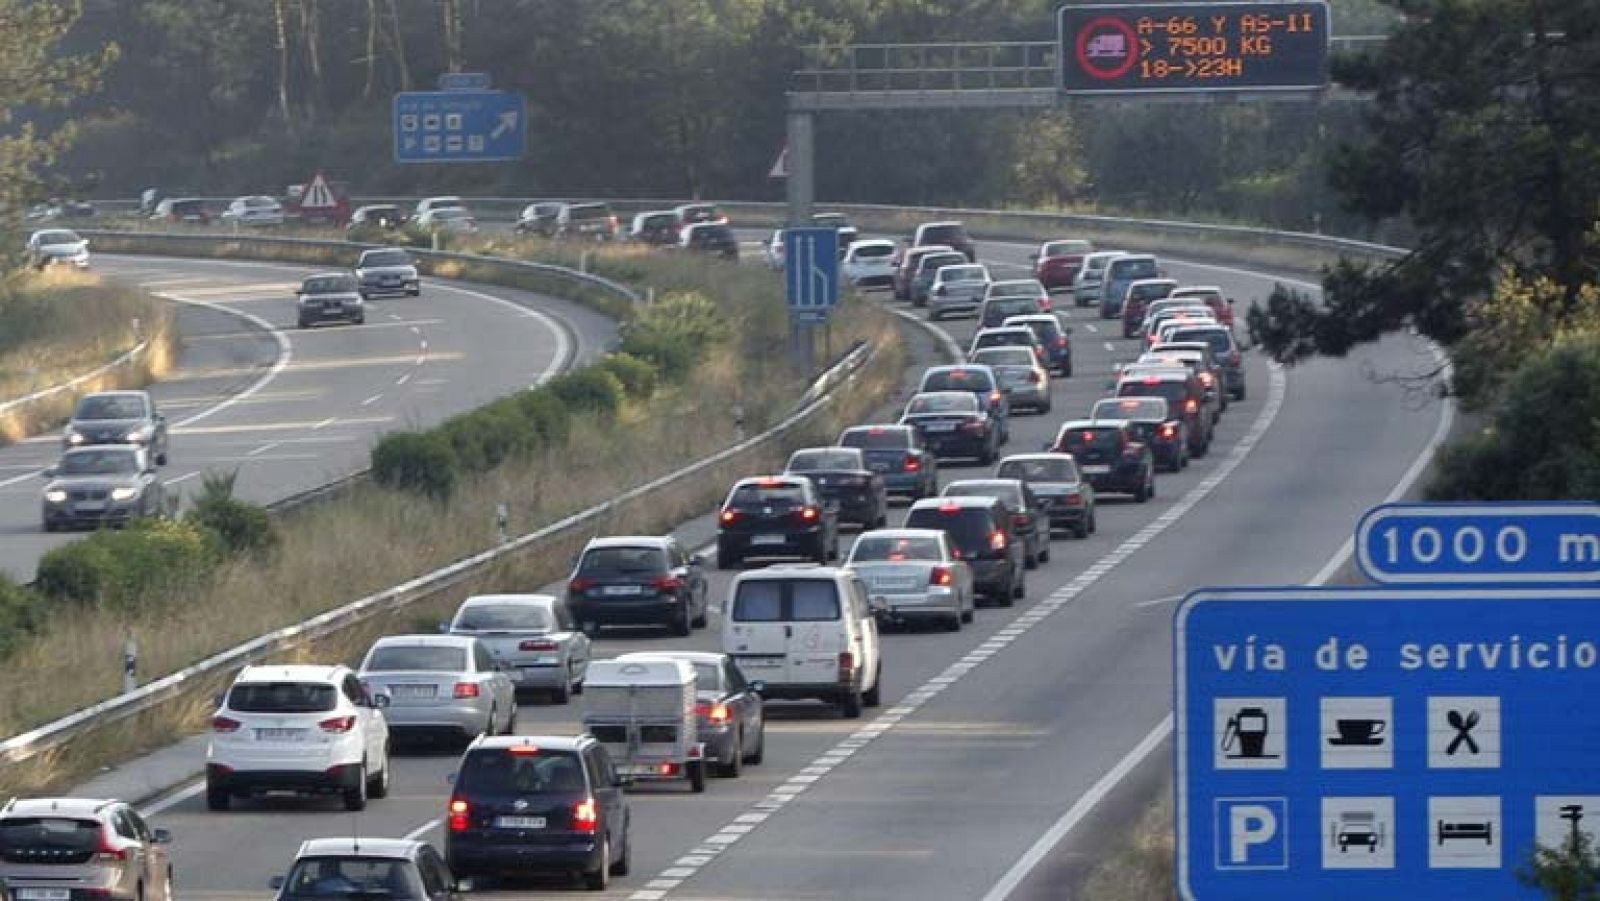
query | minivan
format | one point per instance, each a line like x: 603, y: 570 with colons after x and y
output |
x: 952, y: 234
x: 1122, y: 272
x: 806, y: 632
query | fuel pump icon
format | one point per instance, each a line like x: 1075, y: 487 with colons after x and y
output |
x: 1245, y: 737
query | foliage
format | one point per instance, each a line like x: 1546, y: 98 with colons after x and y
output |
x: 119, y: 570
x: 637, y: 376
x: 242, y: 527
x: 20, y: 612
x: 674, y: 332
x: 420, y: 462
x: 589, y: 390
x: 1570, y: 872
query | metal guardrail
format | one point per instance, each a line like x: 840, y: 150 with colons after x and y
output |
x: 17, y: 408
x: 56, y: 734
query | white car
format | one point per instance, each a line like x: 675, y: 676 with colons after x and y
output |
x: 256, y: 209
x: 58, y: 246
x: 958, y: 289
x: 304, y: 729
x: 773, y: 250
x: 870, y: 263
x: 434, y: 203
x: 452, y: 219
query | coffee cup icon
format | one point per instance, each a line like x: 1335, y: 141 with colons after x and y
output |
x: 1358, y: 731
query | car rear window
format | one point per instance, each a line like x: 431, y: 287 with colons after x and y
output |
x: 416, y: 658
x: 1015, y: 289
x: 806, y: 461
x: 815, y: 600
x: 947, y: 402
x: 527, y: 771
x: 59, y: 237
x: 1220, y: 340
x: 1007, y: 493
x: 944, y: 234
x: 1004, y: 356
x: 874, y: 251
x: 876, y: 439
x: 48, y: 834
x: 1039, y: 470
x: 1142, y: 408
x: 936, y: 261
x: 968, y: 527
x: 504, y: 618
x: 962, y: 273
x: 708, y: 233
x: 1173, y: 392
x: 1151, y: 292
x: 1002, y: 307
x: 706, y: 213
x: 283, y: 697
x: 891, y: 548
x: 1005, y: 339
x: 1066, y: 248
x: 1107, y: 440
x: 1046, y: 330
x: 587, y: 211
x: 810, y: 600
x: 753, y: 495
x: 351, y: 877
x: 758, y: 601
x: 623, y: 560
x: 958, y: 380
x: 1122, y: 270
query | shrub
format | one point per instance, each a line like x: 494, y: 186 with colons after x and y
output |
x: 638, y: 377
x: 73, y: 572
x: 241, y: 527
x: 675, y: 332
x: 121, y: 569
x: 19, y: 614
x: 421, y: 462
x: 589, y: 390
x: 546, y: 415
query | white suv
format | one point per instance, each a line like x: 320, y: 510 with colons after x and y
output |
x: 309, y: 729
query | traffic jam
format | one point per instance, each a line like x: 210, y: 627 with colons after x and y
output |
x: 910, y: 525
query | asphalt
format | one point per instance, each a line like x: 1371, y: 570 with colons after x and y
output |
x: 988, y: 736
x: 292, y: 409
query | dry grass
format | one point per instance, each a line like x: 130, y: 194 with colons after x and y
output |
x: 1141, y: 869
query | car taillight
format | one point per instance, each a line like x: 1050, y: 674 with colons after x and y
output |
x: 337, y: 725
x: 1234, y: 358
x: 1133, y: 450
x: 1061, y: 340
x: 1169, y: 431
x: 613, y: 222
x: 717, y: 713
x: 1190, y: 405
x: 940, y: 575
x: 994, y: 397
x: 225, y: 724
x: 1206, y: 379
x: 464, y: 690
x: 808, y: 514
x: 580, y: 584
x: 538, y: 644
x: 729, y: 517
x: 1019, y: 519
x: 997, y: 541
x: 1044, y: 304
x: 912, y: 464
x: 975, y: 425
x: 1074, y: 500
x: 847, y: 666
x: 585, y: 816
x: 108, y: 852
x: 668, y: 583
x: 459, y: 815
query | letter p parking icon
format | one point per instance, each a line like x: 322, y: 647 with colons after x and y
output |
x: 1252, y: 833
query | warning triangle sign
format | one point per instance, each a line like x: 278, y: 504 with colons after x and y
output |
x: 780, y: 167
x: 318, y: 196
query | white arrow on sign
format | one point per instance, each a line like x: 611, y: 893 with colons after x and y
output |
x: 508, y: 121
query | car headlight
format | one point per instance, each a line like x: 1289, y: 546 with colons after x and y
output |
x: 137, y: 436
x: 55, y: 496
x: 124, y: 494
x: 74, y: 437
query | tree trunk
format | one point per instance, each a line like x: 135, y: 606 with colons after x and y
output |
x: 279, y: 17
x: 452, y: 34
x: 311, y: 37
x: 397, y: 42
x: 372, y: 49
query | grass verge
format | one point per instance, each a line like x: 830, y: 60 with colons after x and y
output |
x: 58, y: 325
x: 1141, y: 868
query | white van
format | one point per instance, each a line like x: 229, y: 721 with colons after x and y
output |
x: 805, y: 631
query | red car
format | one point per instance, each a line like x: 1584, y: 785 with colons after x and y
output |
x: 1057, y: 262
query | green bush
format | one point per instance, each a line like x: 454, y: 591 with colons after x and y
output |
x: 122, y: 569
x: 405, y: 236
x: 675, y: 332
x: 421, y: 462
x: 546, y: 415
x: 638, y: 377
x: 241, y: 527
x: 73, y: 572
x: 20, y: 611
x: 589, y: 390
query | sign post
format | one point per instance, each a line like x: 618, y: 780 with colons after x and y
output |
x: 1194, y: 47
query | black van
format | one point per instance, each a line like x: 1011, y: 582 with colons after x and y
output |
x: 981, y: 529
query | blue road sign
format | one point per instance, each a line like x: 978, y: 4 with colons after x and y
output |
x: 1513, y: 543
x: 1382, y: 742
x: 459, y: 126
x: 811, y: 272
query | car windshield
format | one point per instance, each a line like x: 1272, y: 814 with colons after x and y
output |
x: 1008, y: 493
x: 504, y: 618
x: 808, y: 460
x: 1138, y: 408
x: 1005, y: 356
x: 895, y: 548
x: 1066, y: 248
x: 587, y: 211
x: 283, y: 697
x: 1044, y: 469
x: 1016, y: 289
x: 958, y: 380
x: 111, y: 406
x: 943, y: 402
x: 451, y: 212
x: 876, y: 438
x: 59, y: 237
x: 49, y: 834
x: 386, y: 258
x: 99, y: 462
x: 623, y: 560
x: 522, y: 770
x: 968, y: 527
x: 352, y: 877
x: 962, y: 274
x: 756, y: 495
x: 328, y: 284
x: 874, y: 251
x: 416, y: 657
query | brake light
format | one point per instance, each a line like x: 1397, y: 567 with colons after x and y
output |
x: 585, y: 816
x: 523, y: 750
x: 464, y: 690
x: 808, y: 514
x: 1169, y: 431
x: 1206, y: 379
x: 1061, y: 340
x: 940, y: 576
x: 912, y: 463
x: 1234, y: 358
x: 1088, y: 437
x: 459, y: 810
x: 997, y: 541
x: 729, y: 516
x: 1190, y: 405
x: 1152, y: 380
x: 107, y: 852
x: 950, y: 508
x: 538, y: 644
x: 337, y: 725
x: 994, y: 397
x: 1019, y: 519
x: 581, y: 584
x: 668, y: 583
x: 975, y: 425
x: 613, y: 222
x: 668, y: 769
x: 1044, y: 304
x: 717, y: 713
x: 847, y: 666
x: 1074, y: 500
x: 225, y: 724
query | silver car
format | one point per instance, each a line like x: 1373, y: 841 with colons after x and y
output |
x: 1022, y: 377
x: 441, y: 686
x: 732, y: 718
x: 533, y: 635
x: 958, y: 289
x: 914, y: 574
x: 1086, y: 290
x: 388, y: 270
x: 53, y: 848
x: 118, y: 417
x: 52, y: 246
x: 101, y: 485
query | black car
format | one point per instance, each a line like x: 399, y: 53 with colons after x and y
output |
x: 731, y: 713
x: 1224, y: 349
x: 981, y: 381
x: 711, y: 237
x: 899, y: 454
x: 1152, y: 422
x: 981, y: 530
x: 844, y: 480
x: 775, y: 516
x: 950, y: 234
x: 1185, y: 395
x: 538, y: 219
x: 330, y: 295
x: 1067, y: 498
x: 1110, y: 456
x: 525, y: 804
x: 996, y: 310
x: 1028, y: 518
x: 955, y: 425
x: 633, y: 580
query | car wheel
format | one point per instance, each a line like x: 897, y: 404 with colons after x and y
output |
x: 562, y: 693
x: 873, y: 696
x: 1044, y: 555
x: 304, y: 324
x: 511, y: 717
x: 599, y: 879
x: 378, y: 786
x: 699, y: 622
x: 1030, y: 559
x: 359, y: 320
x: 355, y: 799
x: 623, y: 864
x: 50, y: 526
x: 933, y: 315
x: 754, y: 757
x: 730, y: 770
x: 727, y: 560
x: 1066, y: 371
x: 491, y: 726
x: 414, y: 292
x: 697, y: 776
x: 682, y: 625
x: 1239, y: 395
x: 1094, y: 523
x: 953, y: 624
x: 970, y: 612
x: 161, y: 459
x: 217, y: 798
x: 850, y: 704
x: 1019, y: 590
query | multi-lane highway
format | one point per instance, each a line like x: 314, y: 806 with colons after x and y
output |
x: 989, y: 738
x: 293, y: 409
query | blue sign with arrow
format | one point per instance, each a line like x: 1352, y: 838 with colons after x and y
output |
x: 811, y: 272
x: 459, y: 126
x: 1413, y: 743
x: 1505, y: 543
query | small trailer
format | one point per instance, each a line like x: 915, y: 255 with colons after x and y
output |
x: 643, y: 711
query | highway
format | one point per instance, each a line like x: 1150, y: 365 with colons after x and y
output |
x: 988, y: 737
x: 294, y: 409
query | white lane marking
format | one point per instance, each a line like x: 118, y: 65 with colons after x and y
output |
x: 1111, y: 347
x: 372, y: 400
x: 1093, y: 329
x: 324, y: 423
x: 1156, y: 602
x: 174, y: 799
x: 403, y: 379
x: 564, y: 348
x: 262, y: 449
x: 1163, y: 730
x: 183, y: 478
x: 422, y: 830
x: 886, y: 721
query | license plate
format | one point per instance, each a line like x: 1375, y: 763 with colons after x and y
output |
x: 636, y: 769
x: 760, y: 662
x: 539, y: 661
x: 90, y: 507
x: 414, y: 691
x: 939, y: 427
x: 615, y: 590
x: 280, y: 734
x: 896, y: 584
x: 43, y: 894
x: 519, y: 822
x: 1096, y: 469
x: 879, y: 467
x: 767, y: 539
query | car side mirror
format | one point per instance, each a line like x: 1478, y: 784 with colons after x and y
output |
x: 163, y: 837
x: 450, y: 778
x: 1067, y: 329
x: 275, y: 883
x: 49, y: 472
x: 697, y: 560
x: 759, y: 686
x: 444, y: 628
x: 381, y: 700
x: 1033, y: 258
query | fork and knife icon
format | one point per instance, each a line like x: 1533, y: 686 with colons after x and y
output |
x: 1463, y: 726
